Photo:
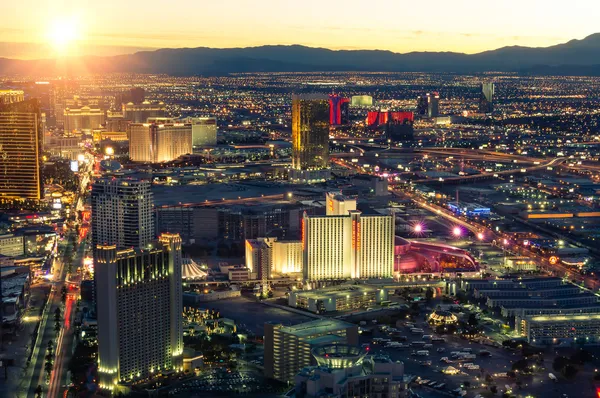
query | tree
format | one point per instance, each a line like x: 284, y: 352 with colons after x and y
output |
x: 570, y: 371
x: 522, y: 365
x: 57, y: 314
x: 38, y: 391
x: 560, y: 363
x: 48, y: 367
x: 494, y: 389
x: 429, y: 294
x: 473, y: 321
x: 581, y: 356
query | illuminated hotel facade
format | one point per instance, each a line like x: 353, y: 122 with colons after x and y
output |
x: 140, y: 113
x: 139, y: 311
x: 288, y: 348
x: 121, y: 212
x: 159, y: 142
x: 310, y: 138
x: 20, y: 151
x: 11, y: 96
x: 84, y: 118
x: 343, y: 244
x: 346, y: 243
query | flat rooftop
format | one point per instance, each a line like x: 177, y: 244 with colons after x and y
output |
x: 319, y: 326
x: 354, y: 290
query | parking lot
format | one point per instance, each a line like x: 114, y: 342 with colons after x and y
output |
x: 222, y: 382
x: 434, y: 383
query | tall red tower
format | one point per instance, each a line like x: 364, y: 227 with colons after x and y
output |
x: 338, y: 110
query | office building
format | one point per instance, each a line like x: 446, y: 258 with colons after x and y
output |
x: 204, y: 131
x: 139, y: 113
x: 11, y: 96
x: 486, y: 98
x: 337, y: 298
x: 84, y: 118
x: 350, y: 245
x: 310, y: 138
x: 139, y: 314
x: 288, y: 348
x: 121, y: 212
x: 20, y: 151
x: 347, y: 371
x: 338, y: 110
x: 159, y: 142
x: 11, y: 245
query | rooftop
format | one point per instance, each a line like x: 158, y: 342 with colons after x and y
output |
x: 319, y: 326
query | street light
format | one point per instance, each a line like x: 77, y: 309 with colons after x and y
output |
x: 457, y: 231
x: 418, y: 228
x: 480, y: 236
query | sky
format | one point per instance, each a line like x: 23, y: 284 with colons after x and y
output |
x: 51, y: 28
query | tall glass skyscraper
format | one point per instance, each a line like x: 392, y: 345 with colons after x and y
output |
x: 20, y: 151
x: 486, y: 99
x: 310, y: 133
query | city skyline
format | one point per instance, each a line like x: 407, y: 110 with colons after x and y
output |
x: 42, y: 31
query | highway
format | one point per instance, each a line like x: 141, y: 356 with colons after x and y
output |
x: 489, y: 236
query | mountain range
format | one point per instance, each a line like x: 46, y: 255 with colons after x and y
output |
x: 576, y: 57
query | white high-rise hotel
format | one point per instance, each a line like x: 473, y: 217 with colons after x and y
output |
x: 140, y: 330
x: 346, y: 243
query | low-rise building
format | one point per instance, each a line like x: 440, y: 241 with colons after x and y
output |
x: 337, y: 298
x: 11, y: 245
x: 556, y: 329
x: 344, y: 371
x: 288, y: 348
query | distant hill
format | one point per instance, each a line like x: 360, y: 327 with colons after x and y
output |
x: 576, y: 57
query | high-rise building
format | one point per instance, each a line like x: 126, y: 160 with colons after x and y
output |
x: 121, y: 212
x: 20, y: 151
x: 422, y: 105
x: 10, y: 96
x: 433, y: 104
x: 344, y: 246
x: 84, y: 118
x: 159, y: 141
x: 486, y: 98
x: 139, y: 113
x: 288, y: 348
x: 310, y: 137
x: 338, y: 110
x: 139, y: 314
x: 429, y: 105
x: 204, y: 131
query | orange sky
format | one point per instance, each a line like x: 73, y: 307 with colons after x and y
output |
x: 111, y: 27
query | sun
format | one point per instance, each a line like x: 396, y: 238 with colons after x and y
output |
x: 62, y: 34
